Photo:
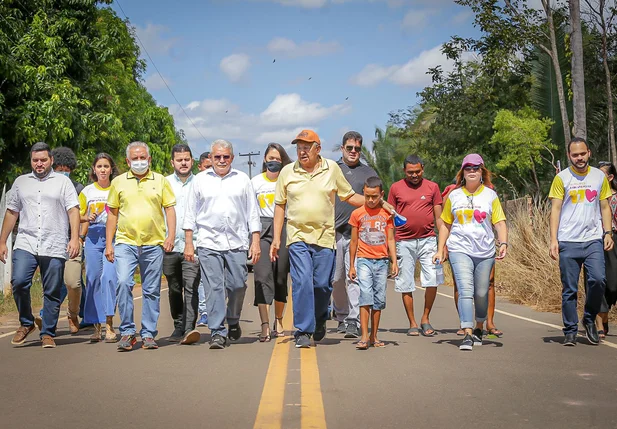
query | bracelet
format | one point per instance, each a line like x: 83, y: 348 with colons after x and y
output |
x: 607, y: 233
x: 505, y: 242
x: 83, y: 237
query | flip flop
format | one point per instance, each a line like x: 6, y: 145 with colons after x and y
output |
x: 427, y: 327
x: 601, y: 334
x: 494, y: 331
x: 362, y: 345
x: 460, y: 332
x: 378, y: 344
x: 413, y: 332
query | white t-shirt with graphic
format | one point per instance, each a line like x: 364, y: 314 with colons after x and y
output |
x: 472, y: 217
x: 580, y: 218
x: 264, y: 192
x: 93, y: 199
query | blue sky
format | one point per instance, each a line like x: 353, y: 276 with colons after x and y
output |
x: 338, y: 65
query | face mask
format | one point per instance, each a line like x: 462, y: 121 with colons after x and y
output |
x: 274, y: 166
x: 66, y: 173
x: 140, y: 166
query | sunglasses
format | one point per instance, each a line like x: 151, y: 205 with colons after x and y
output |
x: 219, y: 157
x: 353, y: 148
x: 473, y: 168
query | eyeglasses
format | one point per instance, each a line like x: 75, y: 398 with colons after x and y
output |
x: 353, y: 148
x: 219, y: 157
x: 473, y: 168
x: 304, y: 148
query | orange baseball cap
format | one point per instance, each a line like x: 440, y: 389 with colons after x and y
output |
x: 308, y: 136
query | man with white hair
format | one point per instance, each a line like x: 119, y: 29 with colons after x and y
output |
x: 140, y: 203
x: 222, y: 208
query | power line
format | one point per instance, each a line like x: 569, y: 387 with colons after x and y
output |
x: 161, y: 76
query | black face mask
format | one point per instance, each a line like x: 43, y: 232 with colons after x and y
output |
x: 274, y: 166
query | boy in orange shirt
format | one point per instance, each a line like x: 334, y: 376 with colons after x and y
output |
x: 372, y: 239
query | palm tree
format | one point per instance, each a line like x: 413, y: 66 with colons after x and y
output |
x: 387, y: 156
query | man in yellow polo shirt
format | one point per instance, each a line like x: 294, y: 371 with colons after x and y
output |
x: 307, y: 189
x: 136, y: 202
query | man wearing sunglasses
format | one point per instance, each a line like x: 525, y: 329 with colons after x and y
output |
x: 222, y: 209
x: 346, y: 293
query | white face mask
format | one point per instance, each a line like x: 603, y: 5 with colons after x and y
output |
x: 140, y: 166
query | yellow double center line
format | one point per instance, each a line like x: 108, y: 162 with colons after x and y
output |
x: 271, y: 406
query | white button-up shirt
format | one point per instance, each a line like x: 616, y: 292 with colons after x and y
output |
x: 43, y: 220
x: 181, y: 191
x: 222, y: 210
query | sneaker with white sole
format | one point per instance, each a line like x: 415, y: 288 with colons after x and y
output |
x: 303, y: 341
x: 466, y: 343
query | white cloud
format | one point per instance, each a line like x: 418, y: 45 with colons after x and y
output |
x: 289, y: 110
x: 155, y: 83
x: 280, y: 121
x: 154, y: 39
x: 412, y: 73
x: 462, y: 17
x: 314, y: 4
x: 289, y: 48
x: 308, y: 4
x: 416, y: 19
x: 235, y: 66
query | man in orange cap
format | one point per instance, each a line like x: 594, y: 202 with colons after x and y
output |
x: 307, y: 190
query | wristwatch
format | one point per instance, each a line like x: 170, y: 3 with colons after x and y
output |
x: 607, y: 233
x: 82, y: 237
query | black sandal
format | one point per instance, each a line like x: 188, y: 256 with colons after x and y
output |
x: 265, y: 338
x: 276, y: 333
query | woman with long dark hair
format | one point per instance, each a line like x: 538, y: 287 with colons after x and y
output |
x: 469, y: 214
x: 101, y: 280
x: 610, y: 257
x: 270, y: 277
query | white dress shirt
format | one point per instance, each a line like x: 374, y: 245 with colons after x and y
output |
x: 222, y: 210
x: 43, y: 220
x: 181, y: 191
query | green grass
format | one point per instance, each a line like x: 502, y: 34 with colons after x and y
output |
x: 7, y: 303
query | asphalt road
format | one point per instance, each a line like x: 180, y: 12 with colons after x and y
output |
x: 526, y: 379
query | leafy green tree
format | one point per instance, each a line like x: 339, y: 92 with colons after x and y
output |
x: 522, y: 137
x: 70, y: 75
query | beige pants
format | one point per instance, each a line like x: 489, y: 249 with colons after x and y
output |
x: 72, y: 280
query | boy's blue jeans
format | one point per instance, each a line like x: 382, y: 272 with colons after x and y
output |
x: 372, y: 278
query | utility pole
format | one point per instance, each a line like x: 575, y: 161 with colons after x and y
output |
x: 251, y: 163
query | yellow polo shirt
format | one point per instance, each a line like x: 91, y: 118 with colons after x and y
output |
x: 310, y: 201
x: 141, y: 221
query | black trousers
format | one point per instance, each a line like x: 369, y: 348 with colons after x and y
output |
x: 271, y: 277
x: 183, y: 281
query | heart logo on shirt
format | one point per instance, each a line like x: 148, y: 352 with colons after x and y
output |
x: 590, y: 195
x: 479, y: 216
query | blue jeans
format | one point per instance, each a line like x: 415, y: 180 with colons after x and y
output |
x: 372, y: 278
x: 203, y: 309
x: 100, y: 276
x: 150, y: 261
x: 572, y: 256
x: 312, y: 271
x: 472, y: 277
x: 52, y: 272
x: 224, y: 275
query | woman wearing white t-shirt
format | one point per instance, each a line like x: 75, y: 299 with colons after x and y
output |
x: 469, y: 214
x: 270, y: 277
x: 101, y: 279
